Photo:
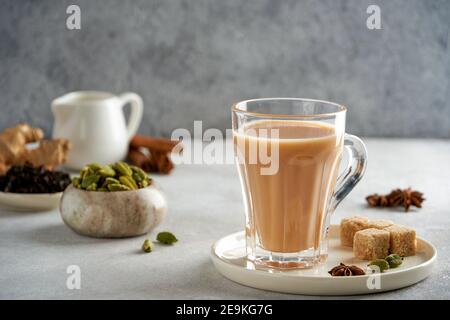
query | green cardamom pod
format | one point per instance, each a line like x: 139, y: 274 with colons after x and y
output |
x: 113, y: 177
x: 76, y: 182
x: 118, y: 187
x: 85, y: 172
x: 166, y: 237
x: 143, y: 183
x: 107, y: 171
x: 123, y: 168
x: 128, y: 181
x: 382, y: 264
x: 394, y: 260
x: 136, y: 177
x: 147, y: 246
x: 90, y: 179
x: 110, y: 180
x: 94, y: 166
x: 92, y: 187
x: 139, y: 174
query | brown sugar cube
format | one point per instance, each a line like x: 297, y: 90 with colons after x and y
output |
x: 380, y: 223
x: 370, y: 244
x: 403, y: 240
x: 351, y: 225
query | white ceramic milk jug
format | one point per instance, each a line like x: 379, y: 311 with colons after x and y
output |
x: 94, y: 123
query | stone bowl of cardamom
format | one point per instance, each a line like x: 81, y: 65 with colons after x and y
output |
x: 113, y: 201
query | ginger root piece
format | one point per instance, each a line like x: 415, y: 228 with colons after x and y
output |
x: 13, y: 141
x: 13, y: 150
x: 49, y: 154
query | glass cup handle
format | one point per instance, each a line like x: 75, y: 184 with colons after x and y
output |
x: 357, y: 162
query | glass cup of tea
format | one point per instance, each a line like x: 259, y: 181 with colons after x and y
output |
x: 288, y: 153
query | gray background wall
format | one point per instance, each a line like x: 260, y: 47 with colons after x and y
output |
x: 190, y: 60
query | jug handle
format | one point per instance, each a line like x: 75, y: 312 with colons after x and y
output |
x: 137, y: 108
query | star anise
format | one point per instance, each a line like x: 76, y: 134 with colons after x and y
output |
x: 405, y: 198
x: 376, y: 200
x: 397, y: 197
x: 343, y: 270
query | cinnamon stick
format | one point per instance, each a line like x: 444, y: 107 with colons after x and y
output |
x: 159, y: 150
x: 157, y: 161
x: 161, y: 161
x: 138, y: 158
x: 153, y: 143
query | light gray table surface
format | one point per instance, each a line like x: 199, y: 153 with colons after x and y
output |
x: 204, y: 205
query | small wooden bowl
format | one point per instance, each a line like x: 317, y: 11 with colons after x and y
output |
x: 113, y: 214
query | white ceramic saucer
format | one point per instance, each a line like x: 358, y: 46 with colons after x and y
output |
x: 30, y: 201
x: 228, y: 256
